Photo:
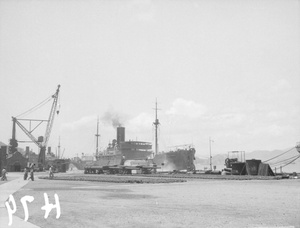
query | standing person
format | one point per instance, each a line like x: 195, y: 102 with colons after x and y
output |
x: 25, y: 173
x: 31, y: 175
x: 51, y: 175
x: 4, y: 178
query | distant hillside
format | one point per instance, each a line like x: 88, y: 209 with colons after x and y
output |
x: 219, y: 160
x: 266, y: 155
x: 280, y: 160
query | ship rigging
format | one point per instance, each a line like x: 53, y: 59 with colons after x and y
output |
x: 156, y: 123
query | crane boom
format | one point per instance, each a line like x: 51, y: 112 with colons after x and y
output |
x: 42, y: 154
x: 51, y: 117
x: 42, y: 144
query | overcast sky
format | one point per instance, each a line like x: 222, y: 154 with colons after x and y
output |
x: 229, y: 70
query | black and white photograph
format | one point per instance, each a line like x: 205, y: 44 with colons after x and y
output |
x: 150, y: 113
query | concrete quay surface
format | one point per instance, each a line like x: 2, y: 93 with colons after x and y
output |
x: 14, y: 183
x: 195, y: 203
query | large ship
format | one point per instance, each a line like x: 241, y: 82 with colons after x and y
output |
x: 120, y: 152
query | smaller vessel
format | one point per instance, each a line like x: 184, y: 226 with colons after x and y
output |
x: 181, y: 158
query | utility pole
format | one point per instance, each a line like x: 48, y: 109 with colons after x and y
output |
x: 156, y: 123
x: 210, y: 157
x: 97, y: 137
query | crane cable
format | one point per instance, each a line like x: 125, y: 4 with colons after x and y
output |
x: 290, y: 162
x: 279, y: 155
x: 37, y: 106
x: 282, y: 161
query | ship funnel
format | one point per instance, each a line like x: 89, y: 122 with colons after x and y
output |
x: 120, y: 134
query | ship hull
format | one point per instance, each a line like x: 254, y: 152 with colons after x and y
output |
x: 182, y: 159
x: 109, y: 160
x: 119, y: 159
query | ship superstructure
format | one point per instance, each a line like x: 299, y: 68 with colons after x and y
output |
x: 119, y: 150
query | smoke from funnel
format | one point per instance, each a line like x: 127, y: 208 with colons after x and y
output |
x: 113, y: 118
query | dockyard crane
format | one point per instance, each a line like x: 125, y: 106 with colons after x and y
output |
x: 41, y: 141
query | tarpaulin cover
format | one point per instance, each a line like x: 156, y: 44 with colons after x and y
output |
x: 265, y: 170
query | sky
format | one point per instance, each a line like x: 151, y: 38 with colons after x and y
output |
x: 226, y: 70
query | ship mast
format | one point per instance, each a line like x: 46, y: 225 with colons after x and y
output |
x: 156, y: 123
x: 58, y: 152
x: 97, y: 136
